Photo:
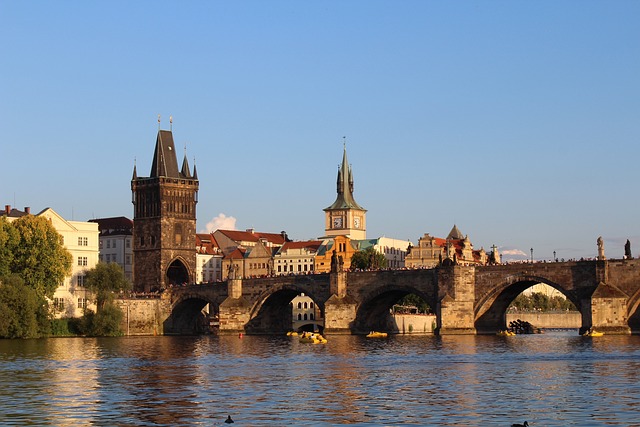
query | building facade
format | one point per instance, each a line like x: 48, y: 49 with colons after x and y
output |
x: 208, y: 259
x: 455, y: 248
x: 116, y: 242
x: 164, y: 220
x: 81, y: 240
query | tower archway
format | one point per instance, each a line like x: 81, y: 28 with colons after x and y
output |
x: 177, y: 273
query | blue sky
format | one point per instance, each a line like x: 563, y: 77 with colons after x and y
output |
x: 517, y: 121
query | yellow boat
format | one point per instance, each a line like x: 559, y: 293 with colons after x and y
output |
x: 311, y: 338
x: 506, y: 333
x: 292, y: 334
x: 374, y: 334
x: 593, y: 333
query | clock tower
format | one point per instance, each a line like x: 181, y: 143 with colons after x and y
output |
x: 345, y: 217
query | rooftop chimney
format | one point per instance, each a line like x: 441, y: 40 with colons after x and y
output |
x: 7, y: 209
x: 27, y: 210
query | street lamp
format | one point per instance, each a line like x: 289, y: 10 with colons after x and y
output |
x: 531, y: 255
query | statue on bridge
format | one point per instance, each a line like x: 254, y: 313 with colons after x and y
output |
x: 232, y: 271
x: 627, y: 250
x: 337, y: 263
x: 600, y: 243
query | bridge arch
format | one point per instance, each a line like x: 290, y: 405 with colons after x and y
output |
x: 271, y: 313
x: 187, y: 317
x: 633, y: 312
x: 490, y: 310
x: 374, y: 311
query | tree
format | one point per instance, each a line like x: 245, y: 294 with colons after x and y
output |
x: 368, y: 259
x: 103, y: 281
x: 23, y: 313
x: 8, y: 241
x: 39, y: 255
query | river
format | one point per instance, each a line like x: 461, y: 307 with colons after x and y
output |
x: 553, y: 379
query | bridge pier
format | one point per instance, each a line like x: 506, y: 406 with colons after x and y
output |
x: 340, y: 308
x: 456, y: 293
x: 606, y: 311
x: 235, y: 311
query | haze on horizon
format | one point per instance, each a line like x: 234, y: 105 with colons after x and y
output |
x: 516, y: 121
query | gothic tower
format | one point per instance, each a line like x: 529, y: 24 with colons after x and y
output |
x: 164, y: 220
x: 345, y: 217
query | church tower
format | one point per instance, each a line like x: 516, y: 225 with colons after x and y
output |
x: 345, y: 217
x: 164, y: 220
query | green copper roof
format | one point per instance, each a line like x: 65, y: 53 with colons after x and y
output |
x: 345, y: 199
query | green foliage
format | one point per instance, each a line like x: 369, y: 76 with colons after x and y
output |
x: 38, y: 254
x: 540, y: 302
x: 104, y: 280
x: 67, y: 326
x: 23, y: 313
x: 8, y: 241
x: 413, y: 300
x: 368, y: 259
x: 105, y: 323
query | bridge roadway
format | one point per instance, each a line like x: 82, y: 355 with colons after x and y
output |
x: 466, y: 300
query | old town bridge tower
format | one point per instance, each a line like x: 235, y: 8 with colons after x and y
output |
x: 164, y: 220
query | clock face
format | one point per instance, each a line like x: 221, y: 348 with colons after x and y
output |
x: 356, y: 221
x: 337, y: 222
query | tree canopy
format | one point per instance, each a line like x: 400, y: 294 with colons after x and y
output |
x: 104, y: 280
x: 367, y: 259
x: 22, y: 311
x: 35, y: 251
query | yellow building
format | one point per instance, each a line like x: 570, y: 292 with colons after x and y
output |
x: 455, y: 248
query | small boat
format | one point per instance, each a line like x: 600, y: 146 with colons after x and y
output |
x: 374, y: 334
x: 593, y: 333
x: 505, y: 333
x: 312, y: 338
x: 292, y: 334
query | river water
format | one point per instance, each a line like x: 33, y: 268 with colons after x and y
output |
x: 553, y: 379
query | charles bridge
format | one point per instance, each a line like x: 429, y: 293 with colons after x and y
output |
x: 466, y: 299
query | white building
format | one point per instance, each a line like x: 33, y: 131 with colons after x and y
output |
x: 116, y: 235
x: 296, y: 258
x: 394, y: 250
x: 81, y: 240
x: 208, y: 259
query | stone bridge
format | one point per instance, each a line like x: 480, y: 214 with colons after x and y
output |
x: 466, y: 300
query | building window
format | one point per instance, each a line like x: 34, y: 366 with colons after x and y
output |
x: 82, y: 260
x: 128, y: 260
x: 80, y: 280
x: 108, y: 243
x: 58, y: 304
x: 82, y: 303
x: 83, y: 241
x: 127, y: 243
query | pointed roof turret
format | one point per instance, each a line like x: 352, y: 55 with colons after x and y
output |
x: 455, y: 233
x: 185, y: 172
x: 345, y: 199
x: 135, y: 173
x: 195, y: 172
x: 165, y: 162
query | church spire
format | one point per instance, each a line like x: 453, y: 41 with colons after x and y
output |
x: 345, y: 199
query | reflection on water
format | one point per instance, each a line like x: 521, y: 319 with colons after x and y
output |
x: 555, y: 379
